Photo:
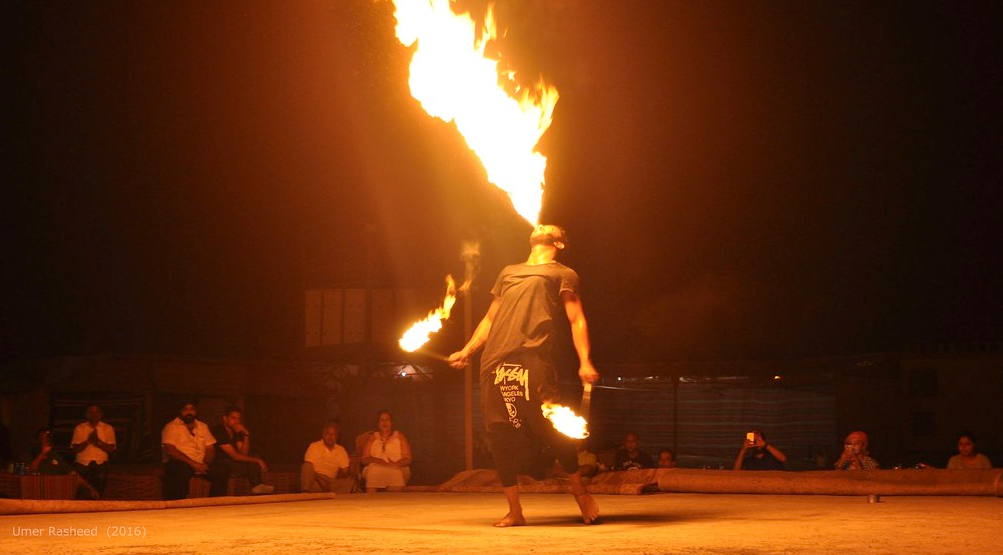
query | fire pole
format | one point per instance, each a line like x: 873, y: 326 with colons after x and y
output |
x: 470, y: 253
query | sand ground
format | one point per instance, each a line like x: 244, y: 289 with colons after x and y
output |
x: 418, y: 523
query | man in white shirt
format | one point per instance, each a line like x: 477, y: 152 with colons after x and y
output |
x: 189, y: 449
x: 325, y: 464
x: 93, y: 441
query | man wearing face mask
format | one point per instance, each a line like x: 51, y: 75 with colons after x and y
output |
x: 189, y: 449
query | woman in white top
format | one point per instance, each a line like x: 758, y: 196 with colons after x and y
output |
x: 387, y: 457
x: 967, y: 458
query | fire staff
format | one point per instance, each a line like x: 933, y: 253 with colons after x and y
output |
x: 518, y: 371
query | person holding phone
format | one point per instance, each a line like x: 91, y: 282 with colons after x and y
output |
x: 758, y: 454
x: 855, y: 456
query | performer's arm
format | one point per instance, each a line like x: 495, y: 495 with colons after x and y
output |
x: 459, y: 359
x: 580, y: 336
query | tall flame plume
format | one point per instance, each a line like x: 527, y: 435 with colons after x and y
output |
x: 453, y: 80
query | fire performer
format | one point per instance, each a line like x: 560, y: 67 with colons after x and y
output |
x: 518, y: 371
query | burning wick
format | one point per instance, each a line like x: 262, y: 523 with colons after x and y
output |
x: 565, y: 420
x: 422, y: 330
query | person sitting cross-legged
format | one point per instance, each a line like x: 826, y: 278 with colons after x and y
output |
x: 325, y: 464
x: 387, y: 457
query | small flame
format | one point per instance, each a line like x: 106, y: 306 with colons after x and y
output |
x: 565, y: 420
x: 453, y: 80
x: 420, y: 333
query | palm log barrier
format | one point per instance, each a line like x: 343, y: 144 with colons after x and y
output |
x: 832, y: 482
x: 43, y: 506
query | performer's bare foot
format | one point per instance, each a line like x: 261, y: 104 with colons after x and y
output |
x: 511, y: 520
x: 589, y: 507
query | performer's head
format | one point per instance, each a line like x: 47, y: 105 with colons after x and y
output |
x: 550, y: 235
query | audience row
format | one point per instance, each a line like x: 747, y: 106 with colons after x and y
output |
x: 191, y: 448
x: 381, y: 458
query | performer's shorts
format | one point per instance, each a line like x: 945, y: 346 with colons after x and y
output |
x: 512, y: 395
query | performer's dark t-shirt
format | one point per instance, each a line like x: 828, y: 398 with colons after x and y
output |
x: 518, y: 360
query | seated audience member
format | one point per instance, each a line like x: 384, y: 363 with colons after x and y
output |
x: 387, y: 457
x: 44, y: 459
x: 758, y: 454
x: 630, y: 456
x: 968, y: 458
x: 233, y: 449
x: 588, y: 463
x: 855, y: 455
x: 189, y: 449
x: 93, y: 441
x: 666, y: 459
x: 325, y: 464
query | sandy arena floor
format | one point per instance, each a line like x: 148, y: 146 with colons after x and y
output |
x: 461, y: 523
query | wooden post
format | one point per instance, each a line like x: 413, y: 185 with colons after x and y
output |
x: 470, y: 253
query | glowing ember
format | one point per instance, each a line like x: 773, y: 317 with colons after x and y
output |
x: 565, y: 420
x: 453, y: 81
x: 419, y: 334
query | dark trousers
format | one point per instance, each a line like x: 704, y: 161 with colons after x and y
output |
x: 177, y: 473
x: 241, y: 469
x: 95, y: 474
x: 513, y: 449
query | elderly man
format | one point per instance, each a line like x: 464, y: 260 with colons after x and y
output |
x: 325, y: 464
x: 189, y: 449
x: 518, y: 367
x: 855, y: 456
x: 93, y: 441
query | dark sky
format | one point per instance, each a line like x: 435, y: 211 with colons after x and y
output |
x: 739, y: 179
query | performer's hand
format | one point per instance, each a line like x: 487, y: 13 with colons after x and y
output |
x: 459, y: 360
x: 588, y: 373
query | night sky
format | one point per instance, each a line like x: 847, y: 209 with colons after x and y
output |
x: 739, y: 179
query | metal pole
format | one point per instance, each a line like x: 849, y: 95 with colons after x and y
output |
x: 470, y: 253
x: 675, y: 415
